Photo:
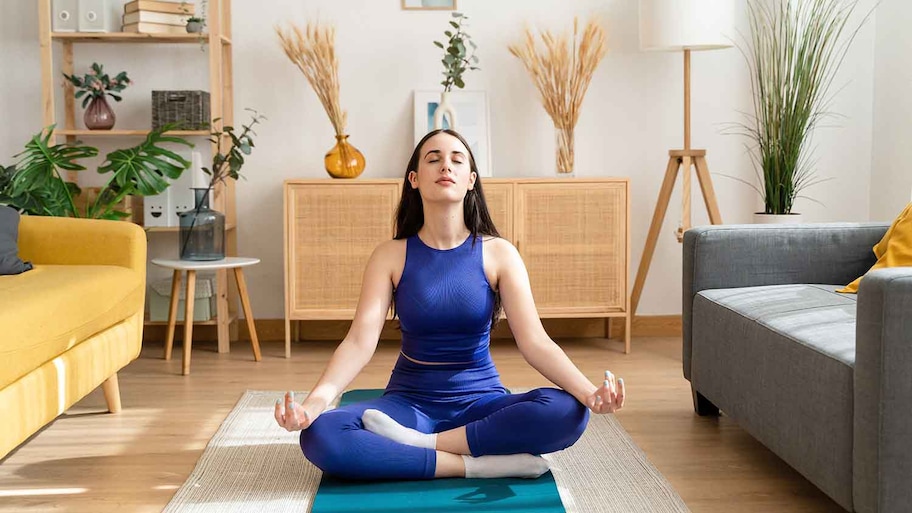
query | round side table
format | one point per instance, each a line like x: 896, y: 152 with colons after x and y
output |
x: 191, y: 267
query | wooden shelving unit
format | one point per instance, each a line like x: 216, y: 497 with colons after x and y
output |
x: 221, y: 93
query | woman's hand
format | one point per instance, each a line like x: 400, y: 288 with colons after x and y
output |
x: 293, y: 416
x: 609, y: 397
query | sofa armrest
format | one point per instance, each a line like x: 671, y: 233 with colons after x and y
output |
x: 730, y: 256
x: 70, y: 241
x: 882, y: 453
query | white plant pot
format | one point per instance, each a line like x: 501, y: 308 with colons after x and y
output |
x: 445, y: 108
x: 760, y: 218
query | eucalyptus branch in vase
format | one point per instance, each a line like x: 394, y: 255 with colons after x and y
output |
x: 225, y: 164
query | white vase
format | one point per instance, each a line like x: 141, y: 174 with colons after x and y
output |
x: 445, y: 108
x: 760, y: 218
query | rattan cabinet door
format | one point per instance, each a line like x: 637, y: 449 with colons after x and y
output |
x: 499, y: 197
x: 573, y: 239
x: 332, y: 230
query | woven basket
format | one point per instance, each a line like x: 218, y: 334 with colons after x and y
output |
x: 191, y: 108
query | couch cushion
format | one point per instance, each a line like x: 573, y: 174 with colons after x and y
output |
x: 813, y: 315
x: 780, y: 361
x: 50, y: 309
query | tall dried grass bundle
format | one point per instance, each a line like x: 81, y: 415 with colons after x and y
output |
x: 313, y: 51
x: 562, y: 71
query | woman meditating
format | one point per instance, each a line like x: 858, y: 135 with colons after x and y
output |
x: 445, y: 412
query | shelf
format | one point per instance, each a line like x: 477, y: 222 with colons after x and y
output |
x: 174, y: 229
x: 129, y: 37
x: 179, y: 324
x: 131, y: 133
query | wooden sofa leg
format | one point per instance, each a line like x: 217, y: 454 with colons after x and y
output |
x: 112, y: 393
x: 703, y: 406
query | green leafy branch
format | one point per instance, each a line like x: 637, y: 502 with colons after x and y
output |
x: 456, y: 60
x: 36, y: 184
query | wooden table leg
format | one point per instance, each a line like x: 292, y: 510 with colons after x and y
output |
x: 172, y: 312
x: 223, y: 321
x: 188, y: 320
x: 248, y: 313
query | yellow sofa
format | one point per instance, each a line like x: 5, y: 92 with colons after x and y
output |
x: 71, y: 323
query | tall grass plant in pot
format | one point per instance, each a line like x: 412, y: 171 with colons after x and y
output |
x: 794, y: 51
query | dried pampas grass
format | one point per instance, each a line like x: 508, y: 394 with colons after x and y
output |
x: 313, y: 51
x: 562, y: 71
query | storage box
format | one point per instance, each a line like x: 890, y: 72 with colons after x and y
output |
x: 188, y: 107
x: 204, y: 306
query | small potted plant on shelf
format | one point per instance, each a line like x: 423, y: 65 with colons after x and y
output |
x: 92, y: 88
x: 195, y: 24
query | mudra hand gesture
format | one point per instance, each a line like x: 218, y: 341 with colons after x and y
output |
x: 609, y: 397
x: 293, y: 416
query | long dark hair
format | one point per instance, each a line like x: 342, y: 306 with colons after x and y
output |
x: 410, y: 212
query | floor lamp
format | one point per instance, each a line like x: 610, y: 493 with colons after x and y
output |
x: 681, y: 25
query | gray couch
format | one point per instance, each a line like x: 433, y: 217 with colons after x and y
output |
x: 822, y: 379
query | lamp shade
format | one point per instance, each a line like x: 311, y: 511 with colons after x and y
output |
x: 670, y: 25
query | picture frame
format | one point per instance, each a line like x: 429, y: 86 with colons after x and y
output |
x: 429, y: 5
x: 472, y: 115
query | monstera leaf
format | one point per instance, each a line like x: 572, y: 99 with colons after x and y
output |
x: 36, y: 183
x: 143, y: 169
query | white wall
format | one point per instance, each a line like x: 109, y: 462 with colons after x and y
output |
x: 891, y: 174
x: 633, y: 113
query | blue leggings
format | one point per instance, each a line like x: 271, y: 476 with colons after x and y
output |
x: 432, y: 399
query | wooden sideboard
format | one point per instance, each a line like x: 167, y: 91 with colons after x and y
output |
x: 573, y: 235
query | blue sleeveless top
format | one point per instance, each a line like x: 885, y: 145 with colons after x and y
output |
x: 444, y: 303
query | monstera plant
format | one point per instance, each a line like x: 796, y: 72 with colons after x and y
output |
x: 37, y: 183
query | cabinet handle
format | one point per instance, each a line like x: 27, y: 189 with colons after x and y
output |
x: 517, y: 246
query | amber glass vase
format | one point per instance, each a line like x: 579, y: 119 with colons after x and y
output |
x: 344, y: 160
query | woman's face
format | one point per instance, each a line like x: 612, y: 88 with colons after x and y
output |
x: 444, y: 172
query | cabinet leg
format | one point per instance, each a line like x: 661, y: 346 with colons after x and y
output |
x: 628, y: 332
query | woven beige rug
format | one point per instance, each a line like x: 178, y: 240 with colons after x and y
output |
x: 252, y: 465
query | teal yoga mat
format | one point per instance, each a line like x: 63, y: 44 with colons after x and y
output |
x: 437, y: 495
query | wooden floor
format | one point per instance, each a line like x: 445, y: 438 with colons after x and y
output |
x: 89, y: 461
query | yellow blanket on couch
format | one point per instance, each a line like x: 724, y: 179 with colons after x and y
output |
x: 893, y: 250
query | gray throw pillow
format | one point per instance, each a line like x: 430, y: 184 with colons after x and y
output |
x: 10, y: 263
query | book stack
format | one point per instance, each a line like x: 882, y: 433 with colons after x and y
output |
x: 157, y: 16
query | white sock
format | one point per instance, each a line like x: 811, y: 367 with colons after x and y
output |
x: 380, y: 423
x: 527, y: 466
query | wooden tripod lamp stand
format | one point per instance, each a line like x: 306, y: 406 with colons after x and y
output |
x: 681, y: 25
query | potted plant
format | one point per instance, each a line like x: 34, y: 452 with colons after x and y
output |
x: 456, y: 61
x: 313, y: 51
x: 202, y: 229
x: 562, y: 69
x: 794, y: 51
x: 36, y: 185
x: 195, y: 24
x: 92, y: 88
